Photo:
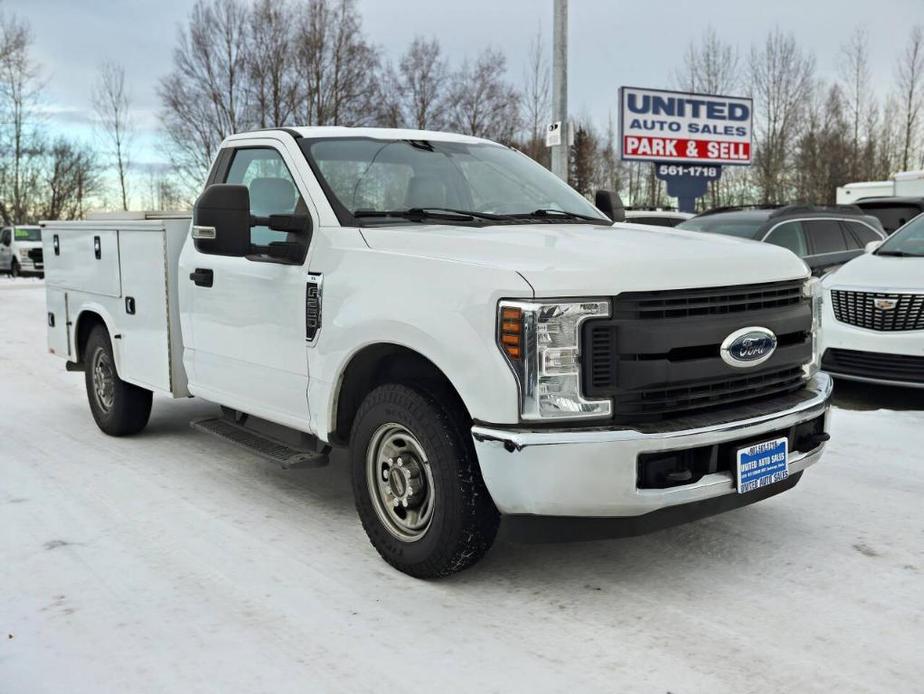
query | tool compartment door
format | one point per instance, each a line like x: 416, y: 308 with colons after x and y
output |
x: 58, y: 325
x: 143, y: 319
x: 82, y: 259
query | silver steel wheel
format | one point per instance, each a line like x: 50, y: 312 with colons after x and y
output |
x: 400, y: 482
x: 103, y: 380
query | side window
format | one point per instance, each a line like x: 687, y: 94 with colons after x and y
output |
x: 826, y: 236
x: 5, y: 237
x: 791, y: 236
x: 862, y: 233
x: 272, y: 189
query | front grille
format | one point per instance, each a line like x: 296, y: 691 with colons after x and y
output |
x: 659, y: 357
x: 876, y: 365
x: 723, y: 391
x: 35, y: 254
x: 715, y: 301
x: 879, y: 310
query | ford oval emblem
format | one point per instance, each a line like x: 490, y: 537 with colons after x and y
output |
x: 748, y: 347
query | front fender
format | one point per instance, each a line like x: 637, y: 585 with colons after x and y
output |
x: 443, y: 310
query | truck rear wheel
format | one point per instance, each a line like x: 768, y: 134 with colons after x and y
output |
x: 417, y: 485
x: 119, y: 408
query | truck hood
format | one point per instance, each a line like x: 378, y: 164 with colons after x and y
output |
x: 879, y: 272
x: 584, y: 260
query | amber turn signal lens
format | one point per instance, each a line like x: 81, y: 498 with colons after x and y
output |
x: 511, y: 332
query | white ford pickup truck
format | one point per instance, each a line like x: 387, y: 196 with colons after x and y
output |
x: 472, y: 329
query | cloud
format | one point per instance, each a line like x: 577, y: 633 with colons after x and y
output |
x: 68, y: 115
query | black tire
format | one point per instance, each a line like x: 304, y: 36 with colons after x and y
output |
x: 14, y: 268
x: 463, y: 521
x: 125, y: 408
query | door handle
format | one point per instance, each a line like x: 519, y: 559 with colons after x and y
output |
x: 203, y: 277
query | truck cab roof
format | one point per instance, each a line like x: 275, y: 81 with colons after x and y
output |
x: 335, y: 131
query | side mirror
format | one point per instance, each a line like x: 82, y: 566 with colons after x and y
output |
x: 221, y: 220
x: 872, y: 246
x: 610, y: 204
x: 289, y: 223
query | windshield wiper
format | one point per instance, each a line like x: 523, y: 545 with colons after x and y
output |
x: 465, y: 213
x: 544, y: 212
x: 899, y: 254
x: 415, y: 213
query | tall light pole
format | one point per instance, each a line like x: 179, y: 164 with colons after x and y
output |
x: 560, y: 87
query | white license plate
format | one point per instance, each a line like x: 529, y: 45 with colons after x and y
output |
x: 762, y: 464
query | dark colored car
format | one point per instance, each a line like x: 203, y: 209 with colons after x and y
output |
x: 824, y: 237
x: 892, y: 213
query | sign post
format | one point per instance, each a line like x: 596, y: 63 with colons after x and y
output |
x: 688, y: 137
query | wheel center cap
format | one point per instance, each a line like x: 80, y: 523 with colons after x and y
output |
x: 405, y: 481
x: 398, y: 482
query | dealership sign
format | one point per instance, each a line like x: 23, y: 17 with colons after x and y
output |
x: 684, y: 128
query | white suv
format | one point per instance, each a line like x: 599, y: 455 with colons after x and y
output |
x: 873, y: 318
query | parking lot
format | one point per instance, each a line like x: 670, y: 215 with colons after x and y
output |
x: 172, y: 562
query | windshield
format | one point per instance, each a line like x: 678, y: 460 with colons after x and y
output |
x: 742, y: 228
x: 907, y: 241
x: 27, y: 234
x: 373, y: 177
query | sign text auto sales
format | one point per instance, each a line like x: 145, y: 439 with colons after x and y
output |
x: 679, y: 127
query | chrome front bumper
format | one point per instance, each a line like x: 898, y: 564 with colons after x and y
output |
x: 593, y: 473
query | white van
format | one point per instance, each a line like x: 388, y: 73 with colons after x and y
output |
x: 21, y: 251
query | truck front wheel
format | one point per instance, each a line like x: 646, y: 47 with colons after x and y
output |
x: 417, y: 485
x: 119, y: 408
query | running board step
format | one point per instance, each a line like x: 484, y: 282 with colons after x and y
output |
x: 267, y: 447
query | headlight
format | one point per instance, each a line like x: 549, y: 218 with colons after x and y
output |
x: 542, y: 344
x: 814, y: 292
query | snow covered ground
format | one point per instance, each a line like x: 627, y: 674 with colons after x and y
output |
x: 173, y: 562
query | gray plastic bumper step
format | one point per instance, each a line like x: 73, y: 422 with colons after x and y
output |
x: 265, y: 446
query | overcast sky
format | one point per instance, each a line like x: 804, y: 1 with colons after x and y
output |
x: 612, y: 42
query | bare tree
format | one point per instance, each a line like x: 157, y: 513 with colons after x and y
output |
x: 710, y: 66
x: 537, y: 99
x: 162, y: 191
x: 70, y: 178
x: 909, y: 75
x: 337, y: 66
x: 20, y: 146
x: 822, y: 160
x: 855, y: 80
x: 781, y: 81
x: 484, y: 104
x: 205, y: 95
x: 886, y: 146
x: 422, y: 81
x: 610, y: 168
x: 273, y: 83
x: 113, y: 111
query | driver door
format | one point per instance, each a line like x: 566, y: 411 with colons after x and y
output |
x: 247, y: 318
